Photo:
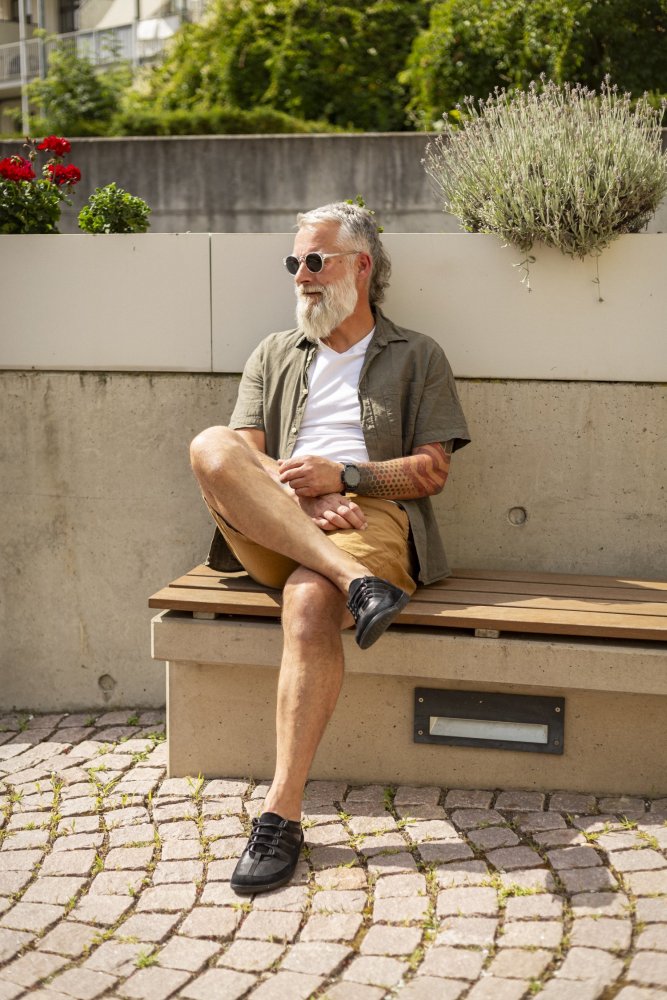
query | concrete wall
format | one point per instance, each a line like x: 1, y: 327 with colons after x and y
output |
x: 98, y: 508
x: 259, y: 183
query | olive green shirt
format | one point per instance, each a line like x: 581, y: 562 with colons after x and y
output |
x: 407, y: 396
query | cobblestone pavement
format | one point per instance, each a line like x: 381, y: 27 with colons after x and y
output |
x: 114, y: 882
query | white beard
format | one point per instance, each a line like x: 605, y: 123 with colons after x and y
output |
x: 319, y: 317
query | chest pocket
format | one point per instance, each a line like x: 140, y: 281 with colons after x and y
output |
x: 395, y: 410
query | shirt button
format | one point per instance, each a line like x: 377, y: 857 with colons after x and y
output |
x: 293, y: 431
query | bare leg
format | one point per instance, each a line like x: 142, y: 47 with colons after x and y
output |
x: 235, y: 482
x: 310, y: 679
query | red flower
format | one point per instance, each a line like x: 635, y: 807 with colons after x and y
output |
x: 64, y: 175
x: 16, y: 168
x: 56, y: 145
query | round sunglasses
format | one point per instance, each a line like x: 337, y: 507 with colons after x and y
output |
x: 314, y: 261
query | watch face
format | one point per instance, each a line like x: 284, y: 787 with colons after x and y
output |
x: 352, y: 476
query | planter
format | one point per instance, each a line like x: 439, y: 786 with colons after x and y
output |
x: 200, y: 302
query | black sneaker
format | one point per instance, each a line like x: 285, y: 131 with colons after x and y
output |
x: 271, y: 856
x: 374, y: 604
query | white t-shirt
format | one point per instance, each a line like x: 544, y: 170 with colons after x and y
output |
x: 331, y: 425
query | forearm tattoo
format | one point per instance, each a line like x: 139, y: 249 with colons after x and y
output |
x: 421, y: 474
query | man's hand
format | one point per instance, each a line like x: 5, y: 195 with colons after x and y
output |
x: 311, y: 475
x: 333, y: 511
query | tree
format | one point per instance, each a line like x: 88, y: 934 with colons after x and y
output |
x: 472, y: 46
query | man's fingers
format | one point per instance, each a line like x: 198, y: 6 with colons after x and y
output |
x: 353, y: 515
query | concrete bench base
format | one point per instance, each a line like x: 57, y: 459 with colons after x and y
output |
x: 221, y: 688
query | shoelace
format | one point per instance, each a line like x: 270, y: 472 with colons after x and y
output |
x: 367, y: 588
x: 264, y: 841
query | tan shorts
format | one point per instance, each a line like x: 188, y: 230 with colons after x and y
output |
x: 384, y: 547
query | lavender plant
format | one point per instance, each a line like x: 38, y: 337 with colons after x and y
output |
x: 561, y: 166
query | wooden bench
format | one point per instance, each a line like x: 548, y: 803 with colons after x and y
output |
x: 596, y: 642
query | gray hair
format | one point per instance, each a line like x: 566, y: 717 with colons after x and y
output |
x: 359, y: 226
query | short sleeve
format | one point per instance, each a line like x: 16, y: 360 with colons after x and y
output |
x: 440, y: 415
x: 249, y: 408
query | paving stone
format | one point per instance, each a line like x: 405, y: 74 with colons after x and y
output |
x: 400, y: 909
x: 341, y: 878
x: 328, y: 927
x: 183, y: 850
x: 647, y: 883
x: 78, y: 842
x: 574, y: 857
x: 522, y: 800
x: 168, y: 898
x: 638, y: 861
x: 19, y: 861
x: 413, y: 795
x: 493, y: 837
x: 339, y: 901
x: 219, y: 983
x: 321, y: 958
x: 535, y: 879
x: 649, y: 968
x: 12, y: 942
x: 428, y: 987
x: 462, y: 873
x: 219, y: 894
x: 222, y: 788
x: 371, y: 824
x: 292, y: 898
x: 444, y: 851
x: 375, y: 970
x: 391, y: 864
x: 177, y: 871
x: 590, y: 963
x: 35, y: 917
x: 381, y: 940
x: 472, y: 931
x: 175, y: 810
x: 565, y: 989
x: 618, y: 840
x: 452, y: 963
x: 467, y: 901
x: 22, y: 820
x: 498, y: 989
x: 104, y: 910
x: 53, y: 889
x: 531, y: 934
x: 148, y: 926
x: 400, y: 885
x: 13, y: 882
x: 511, y: 858
x: 381, y: 843
x: 332, y: 857
x: 8, y: 991
x: 466, y: 798
x: 332, y: 833
x: 69, y: 938
x: 623, y: 805
x: 587, y: 879
x: 432, y: 829
x: 211, y: 922
x: 25, y: 839
x: 187, y: 953
x: 604, y: 933
x: 559, y: 838
x: 422, y: 811
x: 154, y: 983
x: 84, y: 984
x: 231, y: 847
x: 544, y: 906
x: 375, y: 794
x: 115, y: 957
x: 68, y: 863
x: 354, y: 991
x: 180, y: 830
x: 295, y: 985
x: 469, y: 819
x: 78, y: 807
x: 128, y: 858
x: 651, y: 911
x: 78, y: 824
x: 600, y: 904
x: 572, y: 802
x: 653, y: 938
x: 127, y: 816
x: 32, y: 967
x: 639, y: 993
x: 119, y: 883
x: 516, y: 963
x: 251, y: 956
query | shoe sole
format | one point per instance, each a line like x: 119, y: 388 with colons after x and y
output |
x: 377, y: 626
x: 250, y: 890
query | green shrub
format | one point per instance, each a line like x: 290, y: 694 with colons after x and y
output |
x: 560, y: 166
x: 112, y: 210
x: 136, y: 120
x: 473, y: 46
x: 75, y: 98
x: 338, y: 62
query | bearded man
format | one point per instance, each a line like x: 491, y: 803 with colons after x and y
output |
x: 342, y: 431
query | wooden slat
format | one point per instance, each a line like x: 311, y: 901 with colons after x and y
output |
x: 219, y: 601
x: 567, y: 578
x: 546, y: 588
x: 546, y: 601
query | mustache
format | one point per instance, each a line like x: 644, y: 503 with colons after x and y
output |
x: 302, y: 292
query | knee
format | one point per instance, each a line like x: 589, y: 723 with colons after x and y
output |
x: 312, y: 608
x: 213, y: 451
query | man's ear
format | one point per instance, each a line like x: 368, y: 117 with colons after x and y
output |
x: 364, y: 264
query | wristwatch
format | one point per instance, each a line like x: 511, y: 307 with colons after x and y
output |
x: 350, y: 478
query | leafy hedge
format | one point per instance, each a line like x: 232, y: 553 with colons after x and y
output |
x: 212, y: 121
x: 473, y: 46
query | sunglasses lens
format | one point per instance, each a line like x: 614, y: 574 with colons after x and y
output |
x: 292, y: 264
x: 314, y: 262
